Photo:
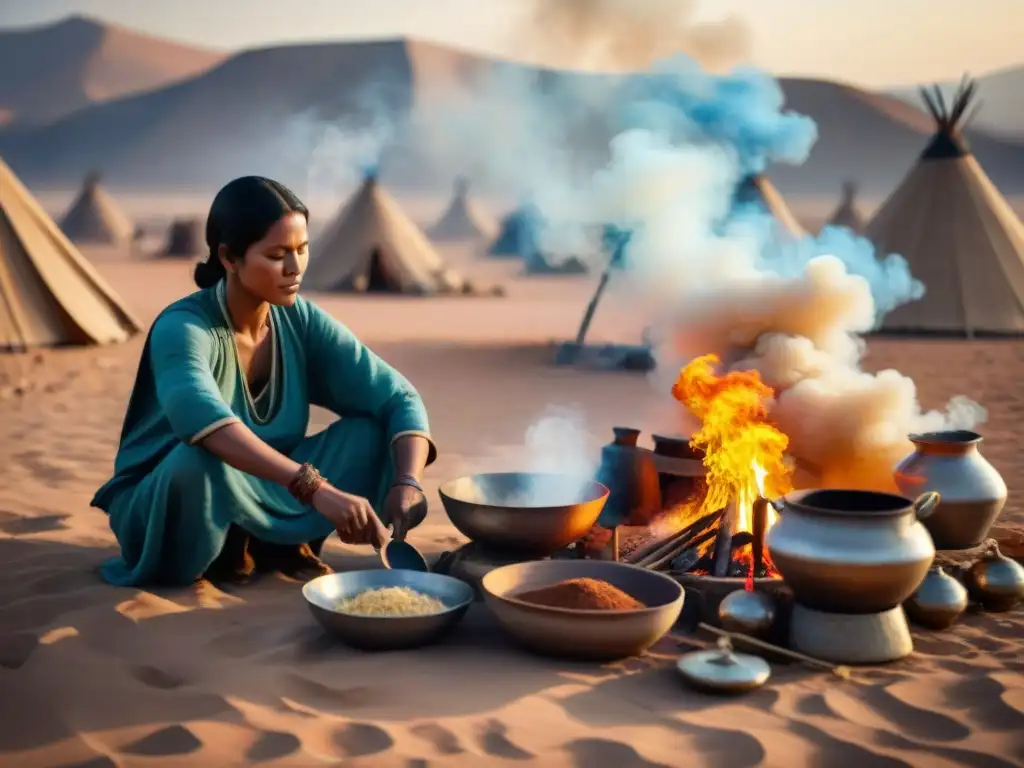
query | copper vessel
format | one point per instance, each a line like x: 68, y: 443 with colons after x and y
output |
x: 850, y: 551
x: 629, y: 472
x: 973, y: 492
x: 996, y: 581
x: 938, y: 602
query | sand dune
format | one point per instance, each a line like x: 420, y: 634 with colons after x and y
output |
x: 53, y: 70
x: 123, y: 677
x: 234, y: 119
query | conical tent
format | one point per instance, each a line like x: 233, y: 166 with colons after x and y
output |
x: 463, y: 220
x: 846, y: 213
x: 185, y: 239
x: 518, y: 235
x: 958, y: 234
x: 95, y: 218
x: 758, y: 189
x: 49, y: 293
x: 372, y: 245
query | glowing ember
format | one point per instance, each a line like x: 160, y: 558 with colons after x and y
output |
x: 744, y: 453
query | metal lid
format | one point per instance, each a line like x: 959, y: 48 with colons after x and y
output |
x: 723, y: 671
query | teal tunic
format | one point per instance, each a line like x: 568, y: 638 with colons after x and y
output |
x: 171, y: 502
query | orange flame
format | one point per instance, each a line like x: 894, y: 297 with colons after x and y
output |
x: 744, y: 453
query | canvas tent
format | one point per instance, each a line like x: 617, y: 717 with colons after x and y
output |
x: 49, y: 293
x: 463, y: 220
x: 373, y: 246
x: 518, y: 233
x: 846, y: 213
x: 759, y: 190
x: 95, y: 218
x: 185, y: 239
x: 958, y: 234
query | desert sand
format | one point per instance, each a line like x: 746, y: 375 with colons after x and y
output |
x: 93, y: 675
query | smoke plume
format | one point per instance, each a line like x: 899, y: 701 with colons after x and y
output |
x: 628, y: 34
x: 672, y: 146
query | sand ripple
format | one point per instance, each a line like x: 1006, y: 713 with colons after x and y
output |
x: 118, y: 677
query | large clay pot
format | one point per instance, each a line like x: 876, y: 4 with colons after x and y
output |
x: 851, y: 552
x: 973, y: 492
x: 680, y: 469
x: 629, y: 472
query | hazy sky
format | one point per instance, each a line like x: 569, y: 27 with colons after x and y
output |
x: 872, y: 42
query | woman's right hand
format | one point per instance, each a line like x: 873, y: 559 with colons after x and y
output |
x: 352, y: 516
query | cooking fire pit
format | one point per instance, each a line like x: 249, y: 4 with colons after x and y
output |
x: 709, y: 558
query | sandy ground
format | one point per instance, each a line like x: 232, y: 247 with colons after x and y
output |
x: 93, y: 675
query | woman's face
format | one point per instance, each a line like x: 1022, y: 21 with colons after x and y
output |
x: 273, y: 267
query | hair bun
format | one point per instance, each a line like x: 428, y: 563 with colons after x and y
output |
x: 208, y: 273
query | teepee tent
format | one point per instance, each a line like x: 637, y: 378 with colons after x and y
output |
x: 517, y: 237
x: 463, y: 220
x: 758, y: 189
x: 846, y: 213
x: 49, y: 293
x: 958, y: 234
x: 95, y: 218
x: 185, y: 239
x: 372, y: 245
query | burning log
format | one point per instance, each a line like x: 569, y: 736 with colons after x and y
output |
x: 760, y: 525
x: 723, y: 543
x: 687, y: 548
x: 671, y: 546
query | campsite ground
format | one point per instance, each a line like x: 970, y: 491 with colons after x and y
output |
x: 106, y: 676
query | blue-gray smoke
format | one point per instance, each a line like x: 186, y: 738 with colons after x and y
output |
x: 718, y: 131
x: 889, y: 277
x: 742, y: 110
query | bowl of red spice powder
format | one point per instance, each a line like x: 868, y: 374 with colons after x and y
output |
x: 583, y: 609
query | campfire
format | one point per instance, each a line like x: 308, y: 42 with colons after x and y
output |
x: 719, y: 530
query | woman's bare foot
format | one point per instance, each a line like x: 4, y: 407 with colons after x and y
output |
x: 305, y: 565
x: 234, y: 564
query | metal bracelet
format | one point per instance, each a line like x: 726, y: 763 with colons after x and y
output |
x: 305, y: 483
x: 408, y: 480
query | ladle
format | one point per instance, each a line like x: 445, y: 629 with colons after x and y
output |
x: 398, y: 555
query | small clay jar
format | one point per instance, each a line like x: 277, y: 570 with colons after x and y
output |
x: 629, y: 472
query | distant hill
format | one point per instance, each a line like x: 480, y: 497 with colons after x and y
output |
x: 1002, y: 97
x: 235, y: 118
x: 48, y: 72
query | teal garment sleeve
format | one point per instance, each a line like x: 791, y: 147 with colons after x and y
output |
x: 181, y: 348
x: 347, y: 378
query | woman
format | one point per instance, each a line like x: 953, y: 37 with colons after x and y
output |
x: 214, y: 474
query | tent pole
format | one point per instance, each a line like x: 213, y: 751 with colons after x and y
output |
x: 616, y: 258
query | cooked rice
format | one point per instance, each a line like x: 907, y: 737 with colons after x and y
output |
x: 391, y: 601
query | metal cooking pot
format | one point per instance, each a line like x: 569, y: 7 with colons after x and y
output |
x: 526, y: 513
x: 852, y: 552
x: 973, y: 491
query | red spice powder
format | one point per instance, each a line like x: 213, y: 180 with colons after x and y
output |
x: 582, y: 595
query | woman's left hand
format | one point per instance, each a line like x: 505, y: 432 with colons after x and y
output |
x: 404, y: 506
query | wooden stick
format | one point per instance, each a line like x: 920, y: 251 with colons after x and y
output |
x: 839, y: 671
x: 760, y: 526
x: 723, y: 542
x: 674, y: 552
x: 658, y: 549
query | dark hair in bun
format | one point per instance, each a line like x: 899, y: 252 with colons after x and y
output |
x: 240, y: 215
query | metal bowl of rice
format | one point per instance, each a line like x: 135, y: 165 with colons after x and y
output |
x: 383, y: 610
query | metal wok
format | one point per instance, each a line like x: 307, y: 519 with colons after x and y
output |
x: 525, y: 513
